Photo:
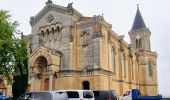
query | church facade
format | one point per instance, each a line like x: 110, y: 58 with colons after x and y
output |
x: 70, y: 51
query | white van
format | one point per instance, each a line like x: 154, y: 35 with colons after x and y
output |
x: 59, y: 95
x: 78, y: 94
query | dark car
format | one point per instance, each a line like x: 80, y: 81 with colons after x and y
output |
x: 36, y: 96
x: 105, y: 95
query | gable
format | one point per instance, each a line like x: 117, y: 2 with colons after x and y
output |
x: 55, y: 8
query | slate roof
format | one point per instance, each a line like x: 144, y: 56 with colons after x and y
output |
x: 138, y: 21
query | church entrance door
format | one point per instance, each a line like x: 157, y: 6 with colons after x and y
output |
x: 86, y: 85
x: 46, y: 85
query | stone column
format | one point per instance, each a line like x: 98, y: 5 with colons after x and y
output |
x: 50, y: 81
x: 33, y: 83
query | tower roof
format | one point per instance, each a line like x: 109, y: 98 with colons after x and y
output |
x: 138, y: 21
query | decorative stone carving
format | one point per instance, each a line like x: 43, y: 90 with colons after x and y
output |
x: 142, y: 62
x: 85, y: 31
x: 49, y: 2
x: 121, y: 37
x: 40, y: 42
x: 71, y: 38
x: 70, y: 8
x: 50, y: 18
x: 98, y: 34
x: 32, y: 20
x: 84, y: 25
x: 122, y: 49
x: 97, y: 27
x: 88, y: 69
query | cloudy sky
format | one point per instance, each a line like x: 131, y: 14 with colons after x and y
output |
x: 119, y: 13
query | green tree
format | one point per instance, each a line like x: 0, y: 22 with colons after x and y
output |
x: 7, y: 59
x: 13, y: 56
x: 20, y: 79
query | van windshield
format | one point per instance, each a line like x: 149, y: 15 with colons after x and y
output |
x: 87, y: 94
x: 72, y: 94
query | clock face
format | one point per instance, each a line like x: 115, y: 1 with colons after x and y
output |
x: 50, y: 18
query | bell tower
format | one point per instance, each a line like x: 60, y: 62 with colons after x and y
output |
x: 146, y: 59
x: 139, y: 34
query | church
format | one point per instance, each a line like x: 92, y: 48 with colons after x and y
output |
x: 70, y: 51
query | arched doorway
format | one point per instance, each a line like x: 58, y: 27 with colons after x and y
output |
x: 41, y: 65
x: 86, y: 85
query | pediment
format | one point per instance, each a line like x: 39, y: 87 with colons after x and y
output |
x: 56, y: 8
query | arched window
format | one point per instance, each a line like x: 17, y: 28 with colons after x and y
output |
x: 113, y: 59
x: 58, y: 33
x: 48, y: 35
x: 58, y: 30
x: 53, y: 35
x: 150, y: 70
x: 84, y: 38
x: 42, y: 36
x: 52, y: 30
x: 42, y: 33
x: 123, y: 64
x: 137, y: 43
x: 140, y: 43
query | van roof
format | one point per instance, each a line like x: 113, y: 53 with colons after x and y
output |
x: 73, y: 90
x: 42, y: 92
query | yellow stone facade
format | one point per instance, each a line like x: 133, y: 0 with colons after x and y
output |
x: 70, y: 51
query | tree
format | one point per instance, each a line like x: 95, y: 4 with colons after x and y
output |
x: 13, y: 56
x: 20, y: 79
x: 7, y: 59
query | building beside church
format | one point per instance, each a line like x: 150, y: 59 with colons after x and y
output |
x: 70, y: 51
x: 5, y: 88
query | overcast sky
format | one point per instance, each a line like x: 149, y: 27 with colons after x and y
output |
x: 119, y: 13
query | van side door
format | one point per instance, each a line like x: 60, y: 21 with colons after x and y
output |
x: 60, y: 96
x: 88, y: 95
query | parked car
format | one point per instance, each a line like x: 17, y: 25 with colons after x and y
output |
x: 59, y: 95
x: 105, y: 95
x: 37, y: 96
